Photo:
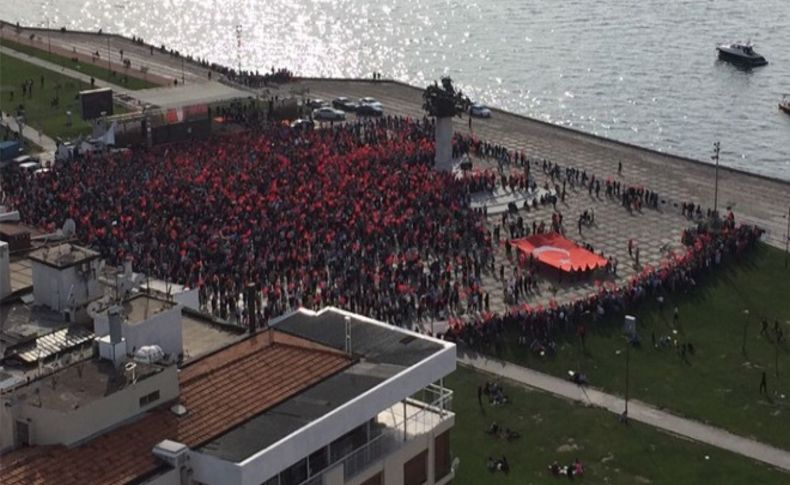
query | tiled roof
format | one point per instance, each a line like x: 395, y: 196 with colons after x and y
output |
x: 220, y: 391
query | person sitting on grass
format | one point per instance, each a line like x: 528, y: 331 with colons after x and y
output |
x: 503, y: 465
x: 578, y: 468
x: 491, y: 465
x: 554, y: 468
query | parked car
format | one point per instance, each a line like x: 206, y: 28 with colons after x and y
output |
x: 29, y: 166
x: 302, y: 124
x: 344, y: 104
x: 479, y: 111
x: 370, y: 102
x: 328, y: 114
x: 369, y: 110
x: 315, y: 103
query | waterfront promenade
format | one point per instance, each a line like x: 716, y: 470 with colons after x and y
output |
x: 755, y: 199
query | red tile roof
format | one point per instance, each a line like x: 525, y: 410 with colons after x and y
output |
x: 220, y: 391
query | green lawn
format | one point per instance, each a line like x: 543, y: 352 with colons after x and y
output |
x: 40, y: 114
x: 98, y: 70
x: 717, y: 384
x: 554, y: 429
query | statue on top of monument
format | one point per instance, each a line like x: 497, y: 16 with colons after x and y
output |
x: 444, y: 101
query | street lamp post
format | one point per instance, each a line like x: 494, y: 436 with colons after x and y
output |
x: 787, y: 237
x: 715, y: 157
x: 109, y: 65
x: 627, y: 375
x: 238, y: 46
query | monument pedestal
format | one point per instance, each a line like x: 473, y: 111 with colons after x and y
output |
x: 444, y: 144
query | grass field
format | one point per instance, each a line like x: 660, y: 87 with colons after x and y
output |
x: 39, y: 112
x: 553, y: 429
x: 717, y: 384
x: 97, y: 70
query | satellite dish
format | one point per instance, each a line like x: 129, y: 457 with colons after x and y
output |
x: 69, y: 228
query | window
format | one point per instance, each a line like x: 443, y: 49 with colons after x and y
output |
x: 441, y: 455
x: 318, y: 460
x: 22, y: 437
x: 149, y: 398
x: 294, y: 474
x: 415, y: 471
x: 348, y: 442
x: 376, y: 479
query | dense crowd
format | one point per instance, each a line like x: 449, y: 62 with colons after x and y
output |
x: 539, y: 327
x: 352, y: 216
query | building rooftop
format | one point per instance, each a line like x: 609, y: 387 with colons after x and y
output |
x: 22, y: 323
x: 141, y: 307
x: 79, y: 384
x: 383, y: 351
x: 278, y: 422
x: 63, y: 256
x: 220, y: 391
x: 202, y: 335
x: 374, y: 341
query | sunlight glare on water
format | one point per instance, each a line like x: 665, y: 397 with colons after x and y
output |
x: 642, y: 72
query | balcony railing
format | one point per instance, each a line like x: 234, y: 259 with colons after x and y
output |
x: 401, y: 423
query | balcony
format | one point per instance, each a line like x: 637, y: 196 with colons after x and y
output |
x: 391, y: 429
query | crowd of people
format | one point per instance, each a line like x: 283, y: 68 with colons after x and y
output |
x: 352, y: 216
x: 539, y: 327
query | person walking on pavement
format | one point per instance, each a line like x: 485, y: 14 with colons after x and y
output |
x: 763, y: 385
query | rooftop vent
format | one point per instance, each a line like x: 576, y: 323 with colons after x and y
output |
x: 171, y: 452
x: 178, y: 409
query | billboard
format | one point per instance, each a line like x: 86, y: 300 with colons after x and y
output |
x: 96, y: 103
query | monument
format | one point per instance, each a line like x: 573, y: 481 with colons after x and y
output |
x: 443, y: 103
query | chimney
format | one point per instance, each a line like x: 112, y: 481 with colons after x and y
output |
x: 116, y: 324
x: 5, y: 270
x: 250, y: 304
x: 348, y: 335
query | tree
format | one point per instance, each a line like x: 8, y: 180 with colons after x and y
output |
x: 444, y: 101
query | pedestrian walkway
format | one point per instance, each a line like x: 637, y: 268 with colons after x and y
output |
x: 637, y: 410
x: 81, y: 76
x: 46, y: 143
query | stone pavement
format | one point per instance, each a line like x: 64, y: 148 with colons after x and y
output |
x: 637, y: 410
x: 755, y: 199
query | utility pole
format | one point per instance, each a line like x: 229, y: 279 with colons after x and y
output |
x: 109, y: 65
x: 787, y: 237
x: 238, y: 45
x: 627, y: 375
x: 716, y: 149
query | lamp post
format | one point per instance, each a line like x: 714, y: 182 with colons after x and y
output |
x: 715, y: 157
x: 49, y: 33
x: 787, y: 237
x: 627, y: 375
x: 238, y: 46
x: 745, y: 325
x: 109, y: 65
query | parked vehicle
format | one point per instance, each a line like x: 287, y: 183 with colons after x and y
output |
x: 344, y: 104
x: 315, y: 103
x: 368, y: 101
x: 328, y: 114
x: 302, y: 124
x: 479, y: 111
x: 369, y: 110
